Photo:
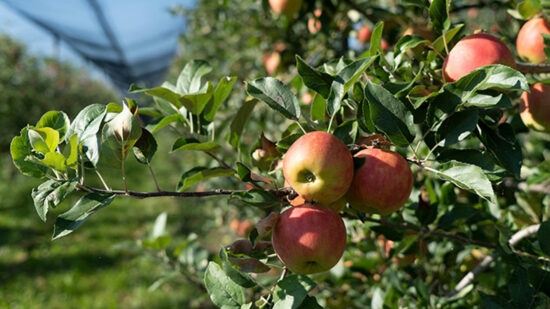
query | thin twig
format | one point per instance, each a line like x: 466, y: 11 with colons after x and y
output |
x: 138, y: 194
x: 440, y: 234
x: 470, y: 276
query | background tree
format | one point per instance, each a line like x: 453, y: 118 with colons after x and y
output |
x: 473, y: 232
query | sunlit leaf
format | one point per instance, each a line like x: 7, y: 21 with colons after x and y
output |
x: 43, y: 140
x: 291, y: 291
x: 56, y: 120
x: 189, y: 80
x: 223, y: 292
x: 468, y: 177
x: 221, y: 93
x: 20, y: 150
x: 239, y: 121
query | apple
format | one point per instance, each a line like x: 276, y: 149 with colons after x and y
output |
x: 382, y: 182
x: 309, y: 239
x: 364, y: 34
x: 271, y: 62
x: 285, y: 7
x: 530, y: 43
x: 314, y: 25
x: 319, y: 167
x: 534, y: 107
x: 474, y: 51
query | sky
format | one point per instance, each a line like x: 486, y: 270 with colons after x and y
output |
x: 143, y: 30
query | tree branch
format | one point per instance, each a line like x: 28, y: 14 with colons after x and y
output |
x: 531, y: 68
x: 470, y: 276
x: 137, y: 194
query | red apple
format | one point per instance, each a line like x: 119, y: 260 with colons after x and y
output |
x: 529, y: 42
x: 382, y: 184
x: 319, y: 167
x: 285, y: 7
x: 475, y: 51
x: 534, y: 108
x: 271, y: 62
x: 364, y: 34
x: 309, y: 239
x: 314, y: 25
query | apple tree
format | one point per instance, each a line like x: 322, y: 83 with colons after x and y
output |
x: 471, y: 230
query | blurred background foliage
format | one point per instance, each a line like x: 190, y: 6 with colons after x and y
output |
x: 110, y: 264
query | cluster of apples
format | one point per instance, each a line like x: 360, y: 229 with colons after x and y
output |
x: 310, y: 236
x: 480, y: 49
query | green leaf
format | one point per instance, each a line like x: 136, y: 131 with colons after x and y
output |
x: 160, y: 92
x: 439, y: 15
x: 189, y: 80
x: 236, y: 275
x: 20, y: 150
x: 184, y: 143
x: 318, y: 108
x: 468, y: 177
x: 223, y: 291
x: 88, y: 121
x: 543, y: 236
x: 495, y: 76
x: 86, y: 125
x: 199, y: 173
x: 376, y: 39
x: 55, y: 160
x: 50, y: 194
x: 408, y: 42
x: 440, y: 44
x: 276, y: 94
x: 314, y: 79
x: 335, y: 97
x: 389, y: 115
x: 457, y: 127
x: 196, y: 102
x: 72, y: 156
x: 443, y: 105
x: 70, y: 220
x: 56, y: 120
x: 158, y: 238
x: 503, y: 145
x: 145, y: 147
x: 292, y: 291
x: 352, y: 72
x: 529, y: 8
x: 243, y: 172
x: 255, y: 197
x: 43, y: 140
x: 221, y: 93
x: 239, y: 121
x: 167, y: 120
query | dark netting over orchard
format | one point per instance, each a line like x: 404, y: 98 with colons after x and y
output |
x: 130, y: 40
